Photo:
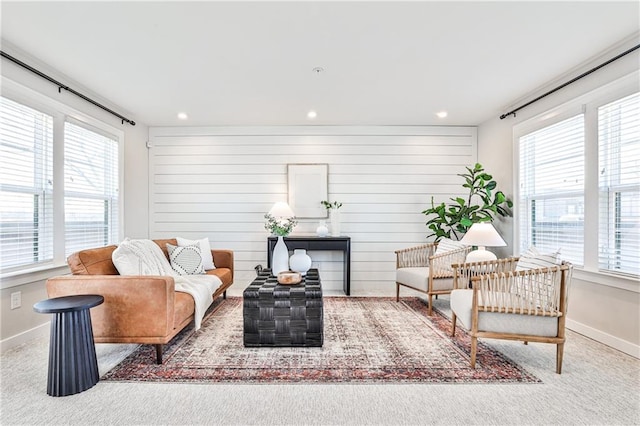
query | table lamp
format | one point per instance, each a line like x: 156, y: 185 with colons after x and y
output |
x: 281, y: 210
x: 482, y: 235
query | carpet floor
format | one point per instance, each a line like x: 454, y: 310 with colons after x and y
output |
x: 367, y: 340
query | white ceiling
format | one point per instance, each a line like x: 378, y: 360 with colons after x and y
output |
x: 386, y: 63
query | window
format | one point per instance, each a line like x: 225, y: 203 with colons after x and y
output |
x: 42, y: 220
x: 26, y: 202
x: 551, y: 196
x: 91, y: 188
x: 619, y: 185
x: 579, y: 180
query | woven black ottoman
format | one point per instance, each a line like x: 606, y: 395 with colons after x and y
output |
x: 283, y: 315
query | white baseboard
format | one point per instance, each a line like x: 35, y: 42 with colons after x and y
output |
x: 24, y: 337
x: 602, y: 337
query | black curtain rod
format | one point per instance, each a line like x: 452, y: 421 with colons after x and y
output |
x: 503, y: 116
x: 62, y: 86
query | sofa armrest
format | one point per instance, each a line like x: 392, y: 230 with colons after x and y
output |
x: 134, y: 306
x: 223, y: 259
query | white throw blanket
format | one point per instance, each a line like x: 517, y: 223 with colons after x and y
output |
x: 144, y: 257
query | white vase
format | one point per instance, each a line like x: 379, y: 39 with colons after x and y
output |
x: 335, y: 223
x: 322, y: 230
x: 300, y: 261
x: 280, y: 257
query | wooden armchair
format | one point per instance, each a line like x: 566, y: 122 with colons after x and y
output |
x: 421, y: 269
x: 528, y: 305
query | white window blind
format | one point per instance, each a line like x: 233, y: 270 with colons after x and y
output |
x: 91, y: 188
x: 551, y: 196
x: 619, y: 185
x: 26, y: 202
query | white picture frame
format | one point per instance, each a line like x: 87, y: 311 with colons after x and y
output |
x: 307, y: 187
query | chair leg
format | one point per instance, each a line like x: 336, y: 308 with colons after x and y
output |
x: 559, y: 354
x: 430, y: 304
x: 397, y: 292
x: 474, y: 349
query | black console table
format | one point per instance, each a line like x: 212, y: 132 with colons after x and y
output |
x: 314, y: 243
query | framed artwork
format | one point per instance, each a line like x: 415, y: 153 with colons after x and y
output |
x: 308, y: 186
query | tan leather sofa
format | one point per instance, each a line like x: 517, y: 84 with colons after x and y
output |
x: 136, y: 309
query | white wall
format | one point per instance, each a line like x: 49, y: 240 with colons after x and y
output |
x: 13, y: 323
x: 604, y: 308
x: 219, y: 183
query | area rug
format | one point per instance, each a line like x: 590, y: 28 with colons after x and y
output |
x: 366, y: 340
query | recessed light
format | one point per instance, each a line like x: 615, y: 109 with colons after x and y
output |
x: 182, y: 115
x: 441, y: 114
x: 312, y: 114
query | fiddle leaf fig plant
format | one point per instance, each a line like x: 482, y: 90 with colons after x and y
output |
x: 482, y: 204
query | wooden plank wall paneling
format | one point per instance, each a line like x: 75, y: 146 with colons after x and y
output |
x: 219, y: 182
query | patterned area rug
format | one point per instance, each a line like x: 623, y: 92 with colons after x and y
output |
x: 367, y: 340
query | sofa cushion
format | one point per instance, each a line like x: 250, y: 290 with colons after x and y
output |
x: 93, y: 262
x: 186, y: 260
x: 205, y: 250
x: 224, y: 274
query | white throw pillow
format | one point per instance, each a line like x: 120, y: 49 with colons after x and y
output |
x: 186, y: 260
x: 533, y: 259
x: 205, y: 249
x: 446, y: 245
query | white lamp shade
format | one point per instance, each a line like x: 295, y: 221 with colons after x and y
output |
x: 483, y: 235
x: 281, y: 210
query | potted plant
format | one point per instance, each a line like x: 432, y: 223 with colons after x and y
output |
x: 482, y: 204
x: 280, y: 227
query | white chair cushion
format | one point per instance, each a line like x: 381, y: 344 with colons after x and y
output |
x: 418, y: 277
x: 462, y: 301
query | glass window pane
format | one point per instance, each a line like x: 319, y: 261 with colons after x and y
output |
x: 552, y: 189
x: 619, y: 185
x: 26, y: 185
x: 91, y: 188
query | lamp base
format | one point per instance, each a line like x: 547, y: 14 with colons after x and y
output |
x: 480, y: 255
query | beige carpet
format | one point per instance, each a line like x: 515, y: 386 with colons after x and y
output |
x: 598, y: 386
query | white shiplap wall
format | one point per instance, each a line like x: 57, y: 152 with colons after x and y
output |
x: 218, y: 182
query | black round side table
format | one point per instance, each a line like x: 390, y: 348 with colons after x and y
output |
x: 73, y: 366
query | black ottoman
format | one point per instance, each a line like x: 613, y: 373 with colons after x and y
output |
x: 283, y: 315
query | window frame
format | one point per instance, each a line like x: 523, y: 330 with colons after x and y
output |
x: 587, y: 103
x: 60, y: 113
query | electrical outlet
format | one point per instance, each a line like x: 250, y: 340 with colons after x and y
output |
x: 16, y: 300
